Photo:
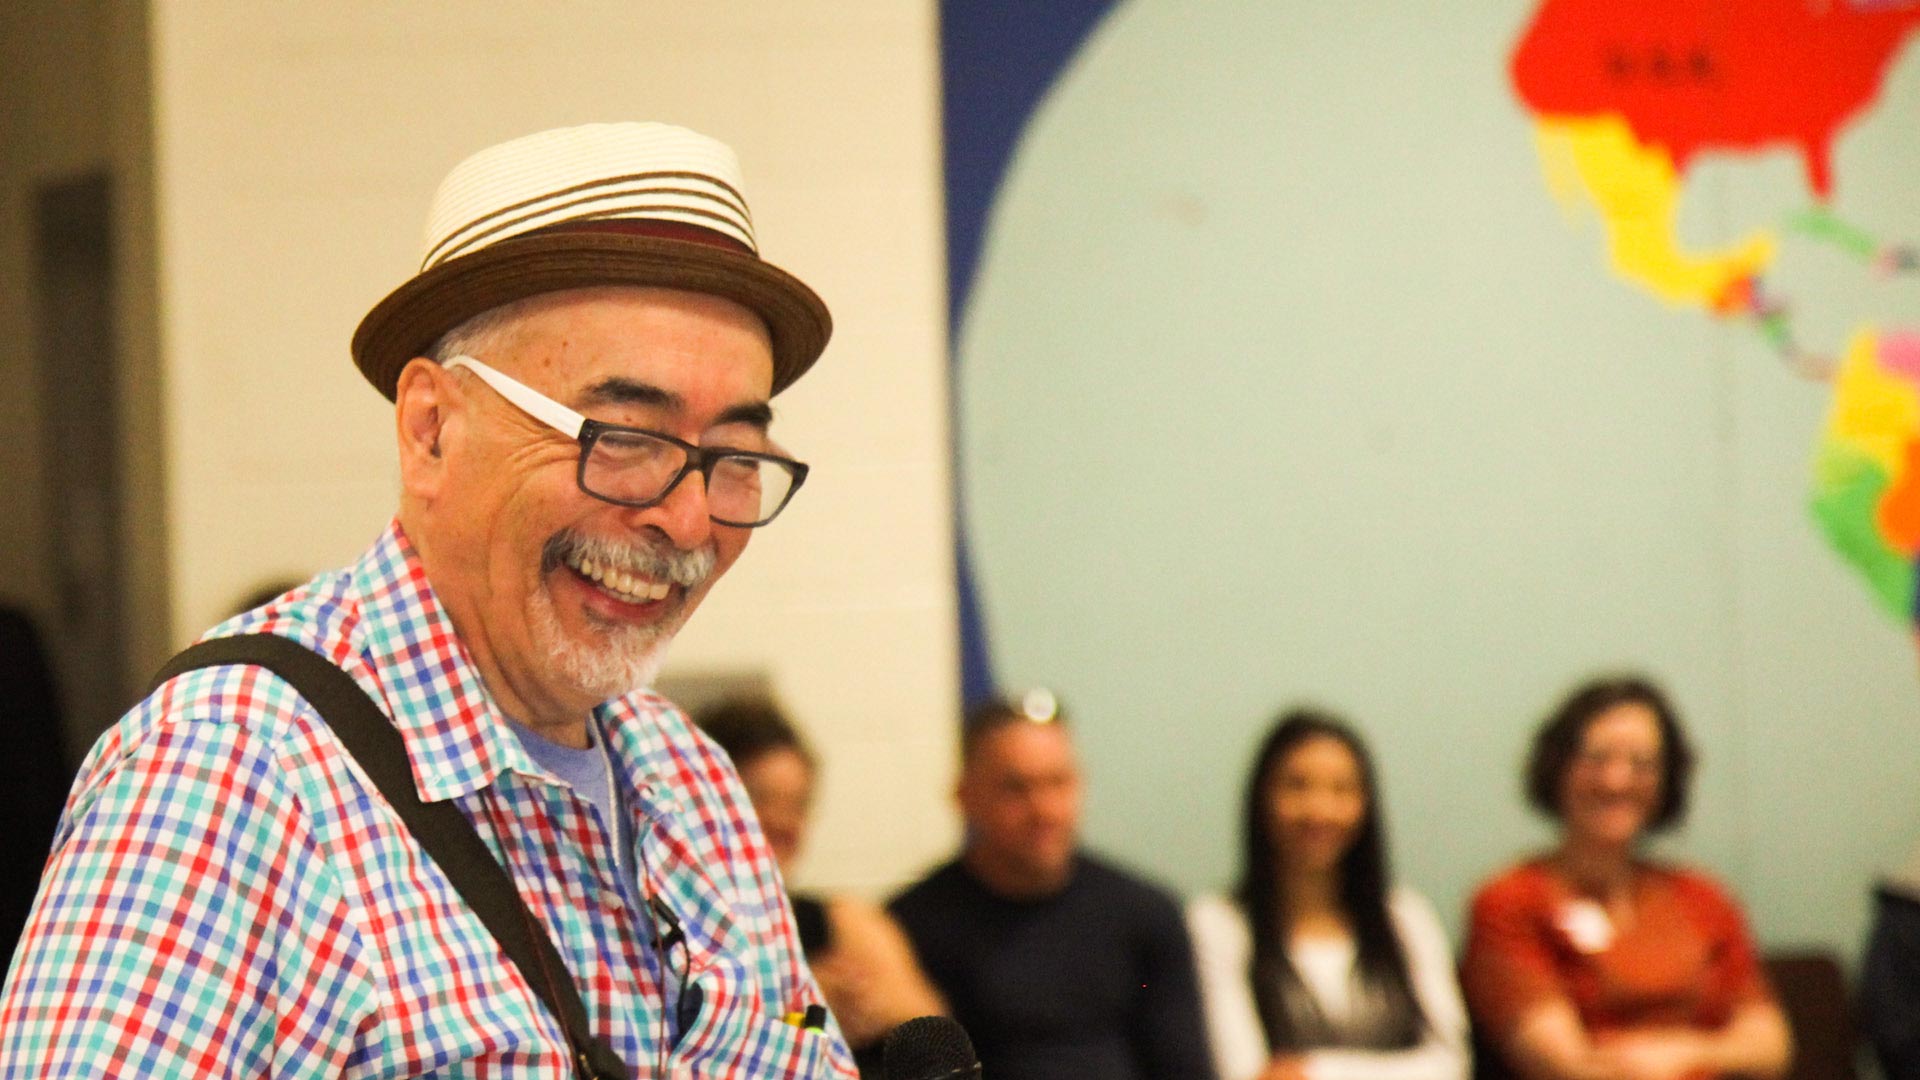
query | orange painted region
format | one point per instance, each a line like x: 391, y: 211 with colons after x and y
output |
x: 1899, y: 511
x: 1741, y: 296
x: 1697, y: 75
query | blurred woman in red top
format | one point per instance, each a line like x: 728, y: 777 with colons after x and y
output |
x: 1592, y: 962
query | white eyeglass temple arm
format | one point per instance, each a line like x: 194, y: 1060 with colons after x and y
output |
x: 531, y: 401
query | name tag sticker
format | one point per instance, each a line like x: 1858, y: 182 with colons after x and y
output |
x: 1587, y: 925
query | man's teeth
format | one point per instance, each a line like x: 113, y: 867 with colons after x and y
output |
x: 632, y: 588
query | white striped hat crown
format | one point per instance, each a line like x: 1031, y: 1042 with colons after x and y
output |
x: 595, y: 172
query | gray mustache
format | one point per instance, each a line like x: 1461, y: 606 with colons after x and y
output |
x: 660, y: 561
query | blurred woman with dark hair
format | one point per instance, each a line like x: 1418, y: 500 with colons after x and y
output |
x: 1594, y: 962
x: 1318, y: 967
x: 859, y: 955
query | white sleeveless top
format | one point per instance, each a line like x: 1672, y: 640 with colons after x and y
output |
x: 1223, y: 947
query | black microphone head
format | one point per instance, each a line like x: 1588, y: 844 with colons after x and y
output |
x: 930, y: 1048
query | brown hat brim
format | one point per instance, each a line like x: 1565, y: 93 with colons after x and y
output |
x: 414, y: 316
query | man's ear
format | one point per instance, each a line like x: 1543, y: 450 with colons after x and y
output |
x: 421, y: 415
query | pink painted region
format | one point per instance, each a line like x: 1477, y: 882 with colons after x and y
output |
x: 1900, y: 355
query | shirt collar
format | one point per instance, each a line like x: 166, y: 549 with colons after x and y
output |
x: 649, y: 741
x: 457, y: 740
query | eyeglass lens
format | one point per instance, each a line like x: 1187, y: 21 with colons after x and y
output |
x: 631, y: 467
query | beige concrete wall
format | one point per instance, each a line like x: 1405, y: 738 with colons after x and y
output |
x: 73, y: 100
x: 294, y: 158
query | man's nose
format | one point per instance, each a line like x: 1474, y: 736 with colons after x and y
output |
x: 683, y: 515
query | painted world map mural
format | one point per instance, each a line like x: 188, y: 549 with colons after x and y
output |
x: 1418, y: 360
x: 1628, y: 95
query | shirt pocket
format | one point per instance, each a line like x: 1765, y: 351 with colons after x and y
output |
x: 740, y: 1032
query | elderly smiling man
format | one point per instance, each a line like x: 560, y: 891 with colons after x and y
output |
x: 483, y: 850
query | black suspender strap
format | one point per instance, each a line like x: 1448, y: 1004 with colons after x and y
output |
x: 440, y: 828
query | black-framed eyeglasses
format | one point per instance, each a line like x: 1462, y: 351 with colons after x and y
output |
x: 636, y: 467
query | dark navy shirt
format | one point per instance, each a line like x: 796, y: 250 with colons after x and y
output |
x: 1095, y: 981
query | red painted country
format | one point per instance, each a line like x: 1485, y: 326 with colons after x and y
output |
x: 1694, y: 75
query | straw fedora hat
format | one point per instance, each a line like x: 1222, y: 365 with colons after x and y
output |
x: 600, y: 204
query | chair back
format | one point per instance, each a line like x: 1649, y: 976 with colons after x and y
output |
x: 1813, y: 994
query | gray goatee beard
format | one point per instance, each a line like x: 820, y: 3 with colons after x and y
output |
x: 619, y: 658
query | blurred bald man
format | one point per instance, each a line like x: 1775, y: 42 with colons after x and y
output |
x: 1060, y: 965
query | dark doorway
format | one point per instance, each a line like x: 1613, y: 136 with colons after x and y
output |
x: 80, y: 451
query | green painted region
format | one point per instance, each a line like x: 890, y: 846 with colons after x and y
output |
x: 1820, y: 224
x: 1773, y: 327
x: 1847, y: 489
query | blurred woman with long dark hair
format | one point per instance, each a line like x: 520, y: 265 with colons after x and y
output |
x: 1318, y: 967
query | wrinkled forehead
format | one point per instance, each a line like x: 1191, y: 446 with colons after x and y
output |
x: 694, y: 346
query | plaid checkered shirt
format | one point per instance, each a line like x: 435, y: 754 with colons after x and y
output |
x: 229, y: 896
